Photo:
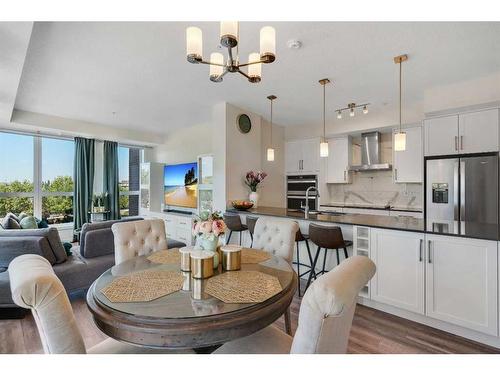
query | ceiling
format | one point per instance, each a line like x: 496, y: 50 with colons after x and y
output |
x: 135, y: 75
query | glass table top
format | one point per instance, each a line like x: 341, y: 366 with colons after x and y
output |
x: 191, y: 301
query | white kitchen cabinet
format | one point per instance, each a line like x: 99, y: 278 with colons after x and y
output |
x: 461, y: 282
x: 441, y: 135
x: 302, y: 156
x: 478, y: 131
x: 177, y: 226
x: 408, y: 164
x: 399, y: 257
x: 339, y: 160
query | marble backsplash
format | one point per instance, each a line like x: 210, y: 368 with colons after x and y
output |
x: 376, y: 188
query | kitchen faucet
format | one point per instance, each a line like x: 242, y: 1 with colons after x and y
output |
x: 306, y: 207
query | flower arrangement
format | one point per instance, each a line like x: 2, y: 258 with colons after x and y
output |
x: 253, y: 179
x: 209, y: 225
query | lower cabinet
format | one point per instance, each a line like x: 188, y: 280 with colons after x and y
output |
x: 399, y: 257
x: 461, y: 282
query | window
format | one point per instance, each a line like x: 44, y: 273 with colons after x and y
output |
x: 129, y: 160
x: 16, y: 174
x: 57, y: 180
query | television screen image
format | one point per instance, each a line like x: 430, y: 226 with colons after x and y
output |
x: 180, y: 185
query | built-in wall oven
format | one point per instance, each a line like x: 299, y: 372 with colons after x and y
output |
x: 296, y: 187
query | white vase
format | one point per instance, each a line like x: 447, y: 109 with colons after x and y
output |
x: 254, y: 197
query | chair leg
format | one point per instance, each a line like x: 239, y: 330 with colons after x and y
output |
x: 298, y: 267
x: 288, y: 322
x: 313, y: 267
x: 251, y: 239
x: 310, y: 258
x: 240, y: 236
x: 345, y: 253
x: 338, y: 257
x: 229, y: 237
x: 324, y: 263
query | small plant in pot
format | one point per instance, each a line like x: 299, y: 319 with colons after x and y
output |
x: 208, y: 227
x: 252, y: 180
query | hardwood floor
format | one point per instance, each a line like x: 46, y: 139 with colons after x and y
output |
x: 373, y: 332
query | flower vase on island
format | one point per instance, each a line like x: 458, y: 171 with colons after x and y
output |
x: 252, y: 180
x: 208, y: 228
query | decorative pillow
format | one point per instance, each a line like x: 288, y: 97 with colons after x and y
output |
x: 9, y: 222
x: 21, y: 216
x: 67, y: 247
x: 28, y: 222
x: 42, y: 223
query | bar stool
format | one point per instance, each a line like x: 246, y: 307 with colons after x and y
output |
x: 326, y: 238
x: 251, y: 220
x: 299, y: 237
x: 233, y: 223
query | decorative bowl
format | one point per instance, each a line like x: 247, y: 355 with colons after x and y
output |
x: 242, y: 205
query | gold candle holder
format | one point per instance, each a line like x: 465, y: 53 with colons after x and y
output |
x: 186, y: 258
x: 202, y: 264
x: 231, y: 257
x: 198, y: 292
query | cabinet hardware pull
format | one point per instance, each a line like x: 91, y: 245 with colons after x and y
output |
x: 344, y: 175
x: 395, y: 174
x: 429, y: 251
x: 461, y: 142
x: 420, y: 250
x: 456, y: 143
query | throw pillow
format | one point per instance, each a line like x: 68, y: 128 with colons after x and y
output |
x: 42, y: 223
x: 67, y: 247
x: 8, y: 222
x: 28, y: 222
x: 21, y: 216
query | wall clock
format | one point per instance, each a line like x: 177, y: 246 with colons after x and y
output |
x: 244, y: 123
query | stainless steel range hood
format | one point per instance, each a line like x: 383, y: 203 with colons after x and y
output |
x: 370, y: 154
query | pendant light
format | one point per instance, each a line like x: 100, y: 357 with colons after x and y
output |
x: 400, y: 136
x: 323, y: 145
x: 270, y: 150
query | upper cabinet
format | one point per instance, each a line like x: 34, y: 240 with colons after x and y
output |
x: 408, y: 164
x: 302, y: 156
x: 339, y: 160
x: 462, y: 134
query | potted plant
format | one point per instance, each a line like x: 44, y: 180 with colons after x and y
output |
x: 208, y: 227
x: 252, y: 180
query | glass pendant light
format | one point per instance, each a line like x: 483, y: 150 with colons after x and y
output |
x: 270, y: 150
x: 323, y: 145
x: 400, y: 136
x: 194, y: 44
x: 339, y: 114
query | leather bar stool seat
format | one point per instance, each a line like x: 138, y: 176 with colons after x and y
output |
x: 326, y: 238
x: 300, y: 237
x: 234, y: 224
x: 251, y: 221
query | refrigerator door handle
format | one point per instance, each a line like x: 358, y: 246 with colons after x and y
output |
x: 455, y: 190
x: 462, y: 190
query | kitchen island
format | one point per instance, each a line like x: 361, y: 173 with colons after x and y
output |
x: 430, y: 275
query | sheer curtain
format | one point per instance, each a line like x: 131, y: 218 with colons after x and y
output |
x: 83, y: 181
x: 110, y: 177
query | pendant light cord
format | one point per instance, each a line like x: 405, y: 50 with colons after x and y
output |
x: 400, y: 90
x: 324, y: 113
x: 271, y: 123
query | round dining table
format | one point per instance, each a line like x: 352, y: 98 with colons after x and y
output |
x: 189, y: 318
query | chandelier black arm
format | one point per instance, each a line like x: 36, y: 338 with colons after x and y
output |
x: 223, y: 74
x: 251, y: 63
x: 243, y: 73
x: 210, y: 63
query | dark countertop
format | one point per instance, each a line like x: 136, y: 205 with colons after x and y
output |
x: 373, y: 207
x: 470, y: 230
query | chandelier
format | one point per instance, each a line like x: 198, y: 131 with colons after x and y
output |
x: 351, y: 107
x: 229, y: 38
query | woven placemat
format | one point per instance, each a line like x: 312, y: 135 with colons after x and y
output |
x: 143, y: 286
x: 243, y: 287
x: 172, y: 256
x: 254, y: 256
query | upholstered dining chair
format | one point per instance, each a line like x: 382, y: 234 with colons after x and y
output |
x: 325, y: 316
x: 278, y: 238
x: 135, y: 238
x: 35, y: 286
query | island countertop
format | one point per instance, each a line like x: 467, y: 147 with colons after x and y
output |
x: 376, y: 221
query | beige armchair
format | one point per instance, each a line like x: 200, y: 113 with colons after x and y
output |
x: 325, y: 316
x: 134, y: 238
x: 35, y: 286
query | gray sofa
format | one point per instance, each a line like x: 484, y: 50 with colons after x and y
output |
x: 77, y: 271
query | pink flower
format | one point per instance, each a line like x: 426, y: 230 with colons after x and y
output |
x: 206, y: 227
x: 218, y: 227
x: 196, y: 228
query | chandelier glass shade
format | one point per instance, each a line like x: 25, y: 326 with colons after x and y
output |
x: 229, y: 38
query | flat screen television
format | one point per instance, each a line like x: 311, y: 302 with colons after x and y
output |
x: 180, y: 183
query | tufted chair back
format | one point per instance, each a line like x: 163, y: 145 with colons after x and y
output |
x: 327, y: 309
x: 137, y: 238
x: 35, y: 286
x: 275, y: 236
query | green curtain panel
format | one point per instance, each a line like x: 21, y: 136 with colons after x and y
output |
x: 83, y: 180
x: 111, y: 182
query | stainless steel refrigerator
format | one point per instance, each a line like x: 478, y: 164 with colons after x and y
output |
x: 461, y: 195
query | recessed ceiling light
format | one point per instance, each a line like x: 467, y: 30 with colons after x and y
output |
x: 294, y: 44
